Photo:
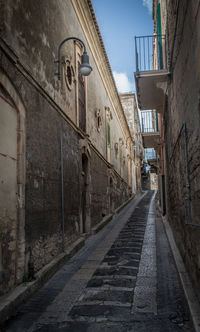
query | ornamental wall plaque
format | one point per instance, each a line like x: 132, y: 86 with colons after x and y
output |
x: 98, y: 119
x: 68, y: 73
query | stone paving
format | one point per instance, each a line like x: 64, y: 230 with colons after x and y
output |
x: 123, y: 280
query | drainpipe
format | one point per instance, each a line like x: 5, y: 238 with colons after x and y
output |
x: 62, y: 193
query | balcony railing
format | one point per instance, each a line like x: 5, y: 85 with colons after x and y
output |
x: 150, y: 53
x: 150, y: 154
x: 149, y: 121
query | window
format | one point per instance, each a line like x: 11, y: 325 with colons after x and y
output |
x: 108, y: 133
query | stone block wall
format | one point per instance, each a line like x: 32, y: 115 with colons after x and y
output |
x: 30, y: 35
x: 183, y: 108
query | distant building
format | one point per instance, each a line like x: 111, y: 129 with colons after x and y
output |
x: 135, y: 140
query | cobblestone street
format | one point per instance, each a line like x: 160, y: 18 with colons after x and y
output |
x: 124, y: 279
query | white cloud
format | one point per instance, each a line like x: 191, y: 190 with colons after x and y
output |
x: 148, y: 4
x: 122, y: 82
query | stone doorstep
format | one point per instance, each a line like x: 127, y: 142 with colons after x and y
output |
x: 191, y: 298
x: 10, y: 303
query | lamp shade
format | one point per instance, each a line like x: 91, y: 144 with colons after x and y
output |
x: 85, y: 68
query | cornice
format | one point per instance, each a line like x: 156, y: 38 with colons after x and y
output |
x: 89, y: 25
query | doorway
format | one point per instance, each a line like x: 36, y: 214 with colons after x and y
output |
x: 85, y: 206
x: 8, y: 187
x: 12, y: 185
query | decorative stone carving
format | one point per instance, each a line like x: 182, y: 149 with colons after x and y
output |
x: 98, y: 119
x: 69, y: 75
x: 116, y: 147
x: 108, y: 113
x: 121, y: 142
x: 84, y: 147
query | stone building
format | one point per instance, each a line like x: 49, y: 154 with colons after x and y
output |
x: 135, y: 140
x: 173, y: 89
x: 64, y: 161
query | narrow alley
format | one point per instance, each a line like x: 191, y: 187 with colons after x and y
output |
x: 99, y: 165
x: 123, y: 279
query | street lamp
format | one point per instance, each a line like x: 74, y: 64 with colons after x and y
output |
x: 85, y: 68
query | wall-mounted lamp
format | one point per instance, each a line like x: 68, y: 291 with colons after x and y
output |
x: 85, y: 68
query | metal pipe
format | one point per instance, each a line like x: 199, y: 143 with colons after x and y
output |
x: 186, y: 156
x: 136, y: 55
x: 62, y: 194
x: 138, y: 37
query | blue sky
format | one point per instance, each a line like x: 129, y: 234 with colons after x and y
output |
x: 119, y: 21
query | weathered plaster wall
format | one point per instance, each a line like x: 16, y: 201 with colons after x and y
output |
x: 8, y: 189
x: 31, y: 32
x: 131, y: 112
x: 184, y: 106
x: 28, y: 31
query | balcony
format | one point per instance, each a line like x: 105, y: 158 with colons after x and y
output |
x: 149, y: 128
x: 151, y: 159
x: 151, y: 71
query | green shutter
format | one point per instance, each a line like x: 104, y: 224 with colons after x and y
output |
x: 157, y: 121
x: 108, y: 134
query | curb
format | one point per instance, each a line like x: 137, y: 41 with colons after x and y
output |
x: 9, y: 304
x: 124, y: 204
x: 106, y: 219
x: 193, y: 303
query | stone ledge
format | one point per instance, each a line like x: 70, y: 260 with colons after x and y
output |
x: 107, y: 218
x: 11, y: 302
x: 193, y: 303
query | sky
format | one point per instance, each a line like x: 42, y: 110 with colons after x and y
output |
x: 119, y: 22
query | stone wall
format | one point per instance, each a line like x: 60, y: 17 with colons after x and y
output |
x: 184, y: 108
x: 93, y: 185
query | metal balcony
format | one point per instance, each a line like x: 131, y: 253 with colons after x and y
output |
x: 151, y: 71
x: 151, y: 159
x: 150, y: 130
x: 150, y: 154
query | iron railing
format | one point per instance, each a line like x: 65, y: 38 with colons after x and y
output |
x: 150, y: 154
x: 150, y: 53
x: 149, y: 122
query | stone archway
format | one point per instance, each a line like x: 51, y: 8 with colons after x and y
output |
x: 12, y: 185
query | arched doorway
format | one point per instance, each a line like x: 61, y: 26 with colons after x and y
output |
x: 85, y: 194
x: 12, y: 185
